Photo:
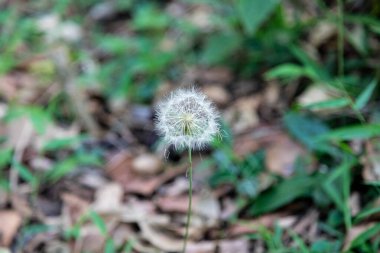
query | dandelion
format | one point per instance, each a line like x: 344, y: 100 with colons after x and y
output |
x: 187, y: 119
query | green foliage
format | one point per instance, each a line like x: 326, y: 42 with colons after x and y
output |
x: 352, y: 132
x: 306, y: 128
x: 329, y: 104
x: 253, y: 12
x: 283, y: 193
x: 243, y: 174
x: 364, y: 97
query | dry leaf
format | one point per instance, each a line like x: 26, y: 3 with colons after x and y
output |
x: 354, y: 232
x: 242, y: 115
x: 217, y: 94
x: 119, y: 168
x: 147, y: 164
x: 202, y: 247
x: 281, y: 155
x: 160, y: 239
x: 371, y: 161
x: 74, y: 208
x: 108, y: 199
x: 10, y: 222
x: 322, y: 32
x: 233, y: 246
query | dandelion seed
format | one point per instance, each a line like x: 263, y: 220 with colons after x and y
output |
x: 187, y: 119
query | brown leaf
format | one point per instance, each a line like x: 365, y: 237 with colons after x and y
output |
x: 174, y: 204
x: 251, y: 141
x: 355, y: 232
x: 371, y: 161
x: 159, y: 239
x: 147, y: 164
x: 233, y: 246
x: 242, y: 115
x: 217, y: 94
x: 108, y: 199
x: 205, y: 205
x: 201, y: 247
x: 119, y: 168
x: 282, y: 154
x: 74, y: 207
x: 10, y: 222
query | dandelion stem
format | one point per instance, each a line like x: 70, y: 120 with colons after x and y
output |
x: 190, y: 202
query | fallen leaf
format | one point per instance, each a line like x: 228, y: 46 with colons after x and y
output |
x: 242, y: 115
x: 74, y: 208
x: 201, y: 247
x: 321, y: 33
x: 371, y: 161
x: 159, y: 239
x: 240, y: 245
x: 10, y: 222
x: 205, y: 205
x: 90, y: 239
x: 108, y: 199
x: 354, y: 232
x: 217, y: 94
x: 179, y: 186
x: 119, y: 168
x: 147, y: 164
x: 281, y: 155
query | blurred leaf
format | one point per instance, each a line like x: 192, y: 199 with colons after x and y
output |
x: 26, y: 174
x: 313, y: 69
x: 39, y: 117
x: 248, y: 187
x: 337, y: 187
x: 110, y: 246
x: 329, y: 104
x: 218, y: 47
x: 99, y: 222
x: 56, y: 144
x: 366, y: 235
x: 366, y: 213
x: 150, y: 17
x: 5, y: 157
x: 128, y: 246
x: 352, y: 133
x: 112, y: 44
x: 286, y: 71
x: 324, y: 246
x: 305, y: 128
x: 62, y: 168
x: 254, y: 12
x: 364, y: 97
x: 282, y: 194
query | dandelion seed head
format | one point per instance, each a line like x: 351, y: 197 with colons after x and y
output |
x: 187, y: 119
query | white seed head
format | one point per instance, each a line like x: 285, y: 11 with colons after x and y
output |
x: 187, y: 119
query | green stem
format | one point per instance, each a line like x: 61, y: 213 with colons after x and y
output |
x: 190, y: 202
